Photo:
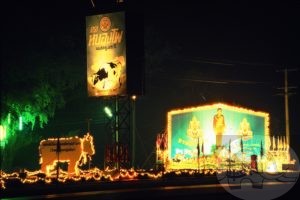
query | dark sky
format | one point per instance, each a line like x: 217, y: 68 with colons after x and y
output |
x: 224, y: 52
x: 212, y: 51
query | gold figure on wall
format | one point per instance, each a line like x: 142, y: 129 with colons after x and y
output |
x: 219, y: 127
x: 194, y: 130
x: 245, y: 130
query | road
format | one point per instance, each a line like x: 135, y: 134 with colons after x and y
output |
x: 178, y: 188
x: 207, y: 191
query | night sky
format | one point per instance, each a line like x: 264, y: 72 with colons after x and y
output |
x: 196, y: 53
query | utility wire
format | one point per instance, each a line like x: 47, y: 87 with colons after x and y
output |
x: 93, y: 4
x: 226, y: 62
x: 212, y: 81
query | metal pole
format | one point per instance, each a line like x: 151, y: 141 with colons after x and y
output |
x: 1, y: 158
x: 57, y: 154
x: 286, y: 103
x: 198, y: 155
x: 89, y: 120
x: 88, y: 124
x: 286, y: 89
x: 117, y: 132
x: 133, y: 132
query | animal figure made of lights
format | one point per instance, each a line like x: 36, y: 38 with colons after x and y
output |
x: 72, y: 150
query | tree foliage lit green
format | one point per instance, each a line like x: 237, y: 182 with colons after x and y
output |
x: 35, y: 81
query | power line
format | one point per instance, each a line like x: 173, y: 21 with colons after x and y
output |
x: 216, y: 81
x: 226, y: 62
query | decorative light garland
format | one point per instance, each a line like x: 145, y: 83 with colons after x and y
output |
x: 95, y: 174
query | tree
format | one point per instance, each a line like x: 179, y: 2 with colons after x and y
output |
x: 38, y: 76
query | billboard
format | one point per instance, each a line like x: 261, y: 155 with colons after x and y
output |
x: 106, y: 54
x: 206, y: 130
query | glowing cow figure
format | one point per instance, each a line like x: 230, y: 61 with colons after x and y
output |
x: 71, y: 150
x: 110, y: 75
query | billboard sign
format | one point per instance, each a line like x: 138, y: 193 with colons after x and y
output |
x: 206, y: 129
x: 106, y: 54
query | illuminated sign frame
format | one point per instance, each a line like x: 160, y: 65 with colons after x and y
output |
x: 106, y: 54
x: 215, y: 106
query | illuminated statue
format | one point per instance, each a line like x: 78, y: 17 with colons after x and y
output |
x: 219, y: 127
x: 245, y: 130
x: 194, y: 130
x: 71, y: 150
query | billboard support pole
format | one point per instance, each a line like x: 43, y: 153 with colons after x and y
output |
x: 117, y: 133
x: 133, y: 131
